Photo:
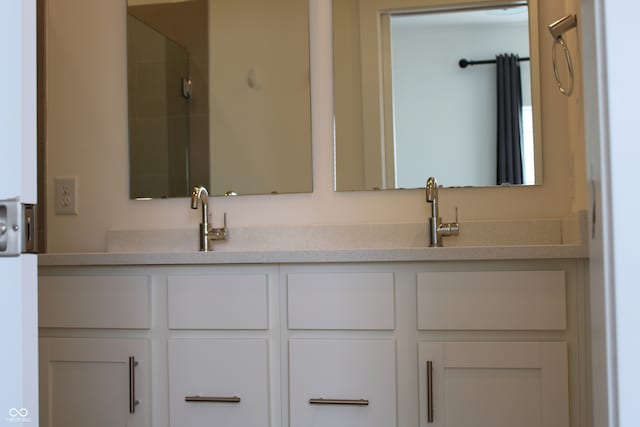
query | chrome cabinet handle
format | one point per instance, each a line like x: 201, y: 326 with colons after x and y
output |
x: 133, y: 402
x: 213, y: 399
x: 322, y: 401
x: 429, y: 391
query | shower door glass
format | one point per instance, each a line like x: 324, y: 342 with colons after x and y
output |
x: 159, y: 93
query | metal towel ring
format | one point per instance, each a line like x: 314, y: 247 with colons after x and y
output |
x: 559, y: 41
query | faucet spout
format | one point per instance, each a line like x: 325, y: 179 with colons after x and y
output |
x: 201, y: 193
x: 432, y: 197
x: 196, y: 194
x: 432, y: 189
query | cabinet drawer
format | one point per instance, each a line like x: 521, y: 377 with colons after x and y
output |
x: 218, y: 382
x: 494, y: 300
x: 344, y: 371
x: 94, y: 302
x: 218, y: 302
x: 341, y: 301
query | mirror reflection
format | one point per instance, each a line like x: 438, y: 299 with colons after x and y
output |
x: 218, y: 96
x: 406, y: 108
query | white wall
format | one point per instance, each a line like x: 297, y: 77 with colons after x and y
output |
x: 260, y: 122
x: 87, y: 137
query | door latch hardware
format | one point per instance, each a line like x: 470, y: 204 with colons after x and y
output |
x: 18, y: 228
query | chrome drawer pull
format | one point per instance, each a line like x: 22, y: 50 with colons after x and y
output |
x: 212, y: 399
x: 133, y: 402
x: 322, y: 401
x: 429, y: 391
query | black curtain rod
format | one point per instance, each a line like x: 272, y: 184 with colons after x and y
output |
x: 464, y: 63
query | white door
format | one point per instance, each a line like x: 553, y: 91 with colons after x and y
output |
x: 18, y: 274
x: 611, y: 93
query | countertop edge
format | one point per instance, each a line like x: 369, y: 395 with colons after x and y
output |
x: 480, y: 253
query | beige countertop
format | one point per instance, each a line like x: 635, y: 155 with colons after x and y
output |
x: 486, y: 240
x: 413, y: 254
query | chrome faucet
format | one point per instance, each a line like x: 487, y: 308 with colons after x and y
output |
x: 206, y: 233
x: 436, y: 228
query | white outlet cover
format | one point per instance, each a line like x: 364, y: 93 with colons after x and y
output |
x: 66, y: 195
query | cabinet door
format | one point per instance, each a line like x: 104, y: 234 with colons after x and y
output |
x: 342, y: 383
x: 488, y: 384
x: 94, y: 382
x: 218, y: 382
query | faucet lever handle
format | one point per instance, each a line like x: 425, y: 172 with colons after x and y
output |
x: 219, y: 233
x: 456, y: 215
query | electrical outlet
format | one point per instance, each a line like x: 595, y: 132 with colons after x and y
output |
x: 66, y: 195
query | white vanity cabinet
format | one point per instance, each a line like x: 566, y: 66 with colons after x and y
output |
x: 493, y: 384
x: 94, y: 382
x: 86, y: 378
x: 391, y: 344
x: 485, y: 383
x: 344, y: 378
x: 230, y: 300
x: 219, y: 374
x: 342, y: 383
x: 341, y: 300
x: 215, y: 381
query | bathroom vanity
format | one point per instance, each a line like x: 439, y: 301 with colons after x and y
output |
x: 454, y: 336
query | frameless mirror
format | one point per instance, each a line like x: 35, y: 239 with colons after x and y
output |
x: 219, y: 96
x: 435, y: 88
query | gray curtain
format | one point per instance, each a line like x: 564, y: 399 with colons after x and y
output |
x: 509, y: 120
